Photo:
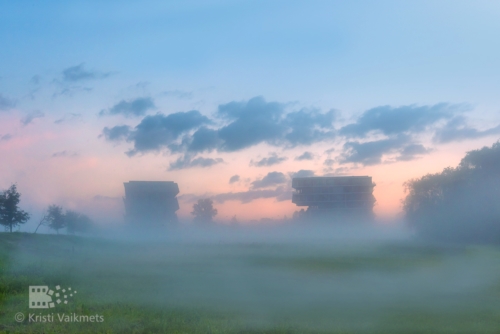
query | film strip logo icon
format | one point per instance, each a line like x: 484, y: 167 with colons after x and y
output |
x: 40, y: 296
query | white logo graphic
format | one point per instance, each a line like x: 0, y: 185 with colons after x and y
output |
x: 41, y: 296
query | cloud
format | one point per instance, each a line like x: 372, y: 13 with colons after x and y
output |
x: 64, y: 154
x: 370, y: 153
x: 309, y: 126
x: 70, y: 91
x: 130, y: 108
x: 405, y: 119
x: 6, y: 103
x: 253, y: 122
x: 257, y: 121
x: 234, y: 178
x: 116, y: 133
x: 32, y: 116
x: 302, y: 173
x: 203, y: 139
x: 338, y: 171
x: 159, y: 131
x: 271, y: 179
x: 457, y: 130
x: 242, y: 196
x: 305, y: 156
x: 242, y: 125
x: 187, y: 162
x: 5, y: 137
x: 330, y: 151
x: 411, y: 152
x: 398, y: 124
x: 67, y: 118
x: 329, y: 162
x: 273, y: 159
x: 79, y: 73
x: 248, y: 196
x: 282, y: 192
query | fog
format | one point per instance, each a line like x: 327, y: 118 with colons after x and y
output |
x: 358, y: 276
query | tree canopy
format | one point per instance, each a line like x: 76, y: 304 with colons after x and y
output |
x: 10, y: 214
x: 55, y: 218
x: 74, y: 222
x: 458, y: 204
x: 77, y: 222
x: 203, y: 210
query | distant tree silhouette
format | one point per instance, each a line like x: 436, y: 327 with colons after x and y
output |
x: 43, y: 222
x: 203, y: 210
x: 77, y: 222
x: 74, y: 222
x: 10, y: 214
x: 55, y: 218
x: 458, y: 204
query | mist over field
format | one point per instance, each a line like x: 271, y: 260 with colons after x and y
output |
x: 244, y: 167
x: 436, y: 269
x: 289, y: 278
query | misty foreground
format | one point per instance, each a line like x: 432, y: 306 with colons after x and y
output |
x: 334, y: 281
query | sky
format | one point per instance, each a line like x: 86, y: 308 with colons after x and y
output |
x: 231, y: 99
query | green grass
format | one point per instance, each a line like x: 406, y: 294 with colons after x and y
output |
x: 168, y: 287
x: 56, y: 260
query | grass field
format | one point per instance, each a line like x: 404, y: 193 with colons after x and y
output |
x: 229, y: 285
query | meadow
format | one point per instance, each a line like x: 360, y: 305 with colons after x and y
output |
x: 243, y: 281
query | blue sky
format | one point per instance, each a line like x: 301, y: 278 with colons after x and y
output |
x: 420, y: 77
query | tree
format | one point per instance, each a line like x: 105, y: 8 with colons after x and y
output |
x: 55, y: 218
x: 77, y: 222
x: 458, y: 204
x: 203, y: 210
x: 42, y: 222
x: 10, y: 214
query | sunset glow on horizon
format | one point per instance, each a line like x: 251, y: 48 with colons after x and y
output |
x: 94, y: 94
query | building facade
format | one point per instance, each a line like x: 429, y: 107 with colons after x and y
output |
x: 151, y: 203
x: 338, y: 194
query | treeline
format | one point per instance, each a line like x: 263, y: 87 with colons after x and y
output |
x: 55, y: 218
x: 72, y: 221
x: 459, y: 204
